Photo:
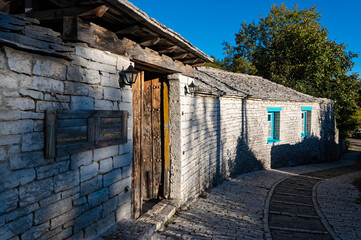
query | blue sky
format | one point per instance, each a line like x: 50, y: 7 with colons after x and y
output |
x: 207, y: 23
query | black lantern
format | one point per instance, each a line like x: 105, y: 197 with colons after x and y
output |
x: 192, y: 88
x: 129, y: 76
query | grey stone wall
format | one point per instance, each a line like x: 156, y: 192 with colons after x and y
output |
x: 76, y: 196
x: 224, y: 136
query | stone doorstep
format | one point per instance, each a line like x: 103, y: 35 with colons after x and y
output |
x: 146, y: 226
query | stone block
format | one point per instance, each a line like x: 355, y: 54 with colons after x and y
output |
x: 3, y: 63
x: 79, y: 89
x: 9, y: 82
x: 126, y: 106
x: 49, y: 200
x: 16, y: 127
x: 127, y: 171
x: 48, y: 235
x: 87, y: 218
x: 20, y: 212
x: 35, y: 191
x: 81, y: 103
x: 89, y: 171
x: 96, y: 55
x: 74, y: 73
x: 106, y: 165
x: 105, y: 223
x: 110, y: 80
x: 123, y: 212
x: 96, y: 92
x: 19, y: 61
x: 45, y: 67
x: 94, y: 65
x: 31, y: 93
x: 124, y: 198
x: 48, y: 170
x: 66, y: 180
x: 32, y: 141
x: 105, y: 105
x: 20, y: 177
x: 105, y: 152
x: 43, y: 84
x: 91, y: 76
x: 119, y: 187
x: 27, y: 160
x: 32, y: 115
x: 126, y: 148
x: 20, y: 103
x: 90, y: 231
x: 57, y: 98
x: 81, y: 159
x: 9, y: 200
x: 123, y: 160
x: 38, y: 125
x: 122, y: 63
x: 2, y: 154
x: 10, y: 139
x: 98, y: 197
x: 112, y: 94
x: 10, y: 115
x: 71, y: 192
x: 41, y: 106
x: 20, y: 225
x: 91, y: 186
x: 109, y: 206
x: 127, y: 96
x: 80, y: 201
x: 60, y: 220
x: 53, y: 210
x: 36, y: 231
x: 112, y: 177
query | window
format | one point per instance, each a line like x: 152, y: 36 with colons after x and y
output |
x: 306, y: 121
x: 273, y: 125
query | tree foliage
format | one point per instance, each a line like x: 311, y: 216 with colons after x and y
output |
x: 291, y: 47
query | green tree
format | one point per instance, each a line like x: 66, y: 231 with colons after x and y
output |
x: 291, y: 47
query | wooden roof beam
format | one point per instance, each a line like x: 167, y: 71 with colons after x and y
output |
x: 150, y: 42
x: 168, y: 50
x: 180, y: 56
x: 87, y: 12
x: 128, y: 30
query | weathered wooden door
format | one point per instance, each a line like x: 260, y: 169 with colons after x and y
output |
x: 148, y: 142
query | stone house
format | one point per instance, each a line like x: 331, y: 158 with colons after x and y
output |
x: 80, y: 150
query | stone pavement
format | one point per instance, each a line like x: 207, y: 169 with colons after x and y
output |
x: 278, y: 204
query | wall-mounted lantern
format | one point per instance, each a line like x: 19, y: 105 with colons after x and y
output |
x: 192, y: 88
x: 129, y: 76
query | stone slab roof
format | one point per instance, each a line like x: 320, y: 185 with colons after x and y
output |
x: 216, y: 81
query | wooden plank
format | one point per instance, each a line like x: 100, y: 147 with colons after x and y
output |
x: 136, y: 168
x: 50, y: 133
x: 95, y: 13
x: 157, y: 137
x: 147, y: 142
x: 150, y: 42
x: 71, y: 123
x: 166, y: 141
x: 71, y: 114
x: 128, y: 30
x: 91, y: 131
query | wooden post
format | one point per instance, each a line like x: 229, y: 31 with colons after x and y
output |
x: 50, y: 133
x: 166, y: 139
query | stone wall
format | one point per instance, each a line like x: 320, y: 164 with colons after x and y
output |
x: 76, y: 196
x: 217, y: 137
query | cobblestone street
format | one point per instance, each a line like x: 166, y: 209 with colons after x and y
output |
x: 306, y: 202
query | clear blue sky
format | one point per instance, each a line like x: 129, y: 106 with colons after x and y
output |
x: 207, y: 23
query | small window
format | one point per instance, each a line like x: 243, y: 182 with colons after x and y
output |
x: 273, y: 125
x: 306, y: 121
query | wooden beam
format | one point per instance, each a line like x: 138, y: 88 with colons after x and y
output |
x: 180, y: 56
x: 57, y: 14
x: 168, y: 50
x: 150, y: 42
x: 128, y: 30
x: 103, y: 39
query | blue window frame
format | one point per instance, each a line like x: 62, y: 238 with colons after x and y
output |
x: 273, y: 125
x: 306, y: 121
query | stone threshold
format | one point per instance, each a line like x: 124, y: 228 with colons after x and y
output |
x: 146, y: 226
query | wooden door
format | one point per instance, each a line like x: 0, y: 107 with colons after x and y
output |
x: 148, y: 142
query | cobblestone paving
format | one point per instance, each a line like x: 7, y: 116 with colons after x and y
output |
x: 292, y: 213
x: 337, y: 200
x: 235, y: 209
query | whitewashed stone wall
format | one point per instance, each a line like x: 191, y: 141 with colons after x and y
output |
x: 76, y: 196
x: 217, y: 137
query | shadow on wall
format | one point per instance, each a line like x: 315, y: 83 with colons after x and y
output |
x: 311, y: 149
